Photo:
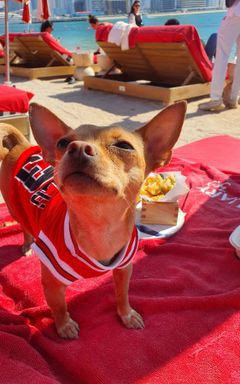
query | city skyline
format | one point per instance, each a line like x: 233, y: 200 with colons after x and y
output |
x: 112, y: 7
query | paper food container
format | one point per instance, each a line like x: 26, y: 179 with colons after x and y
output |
x: 235, y: 240
x: 165, y: 209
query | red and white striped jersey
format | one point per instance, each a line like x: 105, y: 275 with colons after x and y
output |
x: 41, y: 210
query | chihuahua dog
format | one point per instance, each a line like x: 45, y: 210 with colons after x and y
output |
x: 74, y: 196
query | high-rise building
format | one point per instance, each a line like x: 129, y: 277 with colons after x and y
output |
x: 191, y: 4
x: 109, y: 7
x: 163, y: 5
x: 81, y: 5
x: 98, y: 5
x: 114, y: 7
x: 69, y: 6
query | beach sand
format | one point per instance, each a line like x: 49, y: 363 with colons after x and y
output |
x: 76, y: 105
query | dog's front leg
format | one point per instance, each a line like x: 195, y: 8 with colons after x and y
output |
x: 129, y: 317
x: 26, y: 247
x: 55, y: 296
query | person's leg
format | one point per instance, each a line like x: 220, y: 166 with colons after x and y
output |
x: 211, y: 46
x: 227, y: 35
x: 236, y: 75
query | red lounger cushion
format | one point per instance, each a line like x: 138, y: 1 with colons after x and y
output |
x: 13, y: 99
x: 167, y: 34
x: 47, y: 37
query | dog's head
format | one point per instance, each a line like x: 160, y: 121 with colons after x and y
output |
x: 105, y: 161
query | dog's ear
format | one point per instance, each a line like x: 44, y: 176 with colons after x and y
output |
x: 47, y: 129
x: 160, y: 135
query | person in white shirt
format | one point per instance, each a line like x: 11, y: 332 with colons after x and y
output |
x: 228, y: 35
x: 134, y: 16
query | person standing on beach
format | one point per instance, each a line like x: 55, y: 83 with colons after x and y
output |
x: 228, y: 35
x: 134, y: 16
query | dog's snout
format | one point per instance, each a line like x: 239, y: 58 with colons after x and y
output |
x: 81, y: 148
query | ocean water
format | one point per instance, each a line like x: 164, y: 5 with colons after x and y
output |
x: 74, y: 34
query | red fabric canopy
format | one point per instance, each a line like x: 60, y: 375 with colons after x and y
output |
x: 26, y: 16
x: 167, y: 34
x: 43, y: 8
x: 13, y: 99
x: 187, y: 289
x: 47, y: 37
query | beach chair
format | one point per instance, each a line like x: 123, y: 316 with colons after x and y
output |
x: 14, y: 108
x: 37, y: 55
x: 166, y: 63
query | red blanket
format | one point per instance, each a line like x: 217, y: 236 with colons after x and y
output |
x: 187, y: 289
x: 13, y: 99
x: 220, y: 151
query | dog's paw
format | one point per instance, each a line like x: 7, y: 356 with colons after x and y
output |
x: 69, y: 330
x: 132, y: 320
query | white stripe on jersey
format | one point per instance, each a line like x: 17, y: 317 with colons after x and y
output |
x: 49, y: 265
x: 54, y: 252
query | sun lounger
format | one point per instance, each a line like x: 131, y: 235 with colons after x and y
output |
x: 166, y: 63
x: 14, y: 107
x: 37, y: 55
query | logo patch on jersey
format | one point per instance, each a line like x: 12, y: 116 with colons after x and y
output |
x: 36, y: 176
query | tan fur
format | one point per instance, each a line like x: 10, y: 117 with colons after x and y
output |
x: 99, y: 177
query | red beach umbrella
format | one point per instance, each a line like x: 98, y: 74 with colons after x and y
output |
x: 26, y: 16
x: 43, y: 12
x: 45, y: 7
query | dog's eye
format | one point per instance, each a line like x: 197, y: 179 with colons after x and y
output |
x: 123, y: 145
x: 63, y: 143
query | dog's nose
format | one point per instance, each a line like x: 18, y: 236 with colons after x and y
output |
x: 81, y: 148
